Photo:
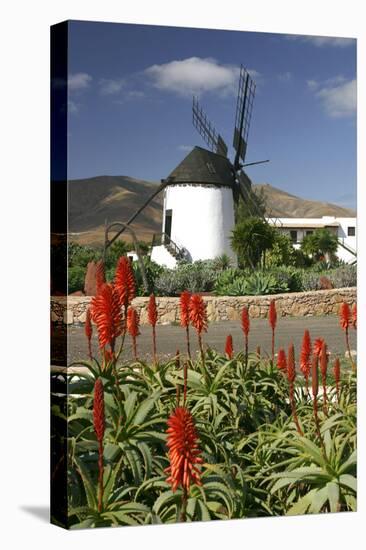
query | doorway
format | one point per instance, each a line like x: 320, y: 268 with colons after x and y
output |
x: 168, y: 226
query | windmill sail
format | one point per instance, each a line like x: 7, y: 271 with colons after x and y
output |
x: 207, y: 131
x: 244, y: 107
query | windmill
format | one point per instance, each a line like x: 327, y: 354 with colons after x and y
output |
x: 200, y: 194
x: 244, y: 107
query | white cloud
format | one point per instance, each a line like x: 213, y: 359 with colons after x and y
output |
x: 329, y: 82
x: 78, y: 81
x: 111, y: 86
x: 312, y: 84
x: 195, y: 75
x: 340, y: 101
x: 319, y: 41
x: 338, y: 96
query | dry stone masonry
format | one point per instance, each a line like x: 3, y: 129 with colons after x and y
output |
x: 72, y: 309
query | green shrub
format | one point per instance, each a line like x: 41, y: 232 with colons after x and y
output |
x: 261, y: 283
x: 282, y: 252
x: 152, y: 271
x: 341, y: 277
x: 288, y: 277
x: 222, y: 263
x: 310, y: 281
x: 115, y: 251
x: 249, y: 284
x: 225, y: 280
x: 302, y: 260
x: 196, y: 277
x: 76, y: 277
x: 345, y: 276
x: 80, y: 255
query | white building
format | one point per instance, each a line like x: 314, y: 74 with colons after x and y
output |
x: 198, y: 212
x: 344, y: 228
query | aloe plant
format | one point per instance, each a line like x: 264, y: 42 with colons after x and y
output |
x: 254, y: 461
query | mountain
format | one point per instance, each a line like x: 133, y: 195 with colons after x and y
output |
x: 112, y: 198
x: 284, y: 205
x: 116, y: 198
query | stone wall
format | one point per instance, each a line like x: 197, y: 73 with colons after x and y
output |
x: 72, y: 309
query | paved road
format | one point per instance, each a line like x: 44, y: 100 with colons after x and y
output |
x: 170, y: 338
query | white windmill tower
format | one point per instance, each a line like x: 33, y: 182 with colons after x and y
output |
x: 198, y: 210
x: 201, y: 192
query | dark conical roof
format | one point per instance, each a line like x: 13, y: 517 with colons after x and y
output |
x: 202, y: 167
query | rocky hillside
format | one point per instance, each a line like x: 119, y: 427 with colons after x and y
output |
x: 284, y: 205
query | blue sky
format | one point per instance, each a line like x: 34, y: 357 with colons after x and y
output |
x: 130, y: 95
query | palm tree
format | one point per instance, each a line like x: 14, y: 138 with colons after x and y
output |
x: 321, y: 243
x: 250, y: 239
x: 223, y: 262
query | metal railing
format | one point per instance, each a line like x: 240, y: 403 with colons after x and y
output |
x: 346, y: 246
x: 164, y: 239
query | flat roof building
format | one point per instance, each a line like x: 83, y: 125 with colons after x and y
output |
x: 344, y: 228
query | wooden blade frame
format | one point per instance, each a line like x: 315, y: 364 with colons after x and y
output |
x: 207, y: 131
x: 244, y: 108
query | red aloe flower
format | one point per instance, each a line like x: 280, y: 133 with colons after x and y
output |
x: 337, y: 375
x: 346, y: 321
x: 125, y: 282
x: 133, y: 324
x: 245, y: 325
x: 99, y: 428
x: 354, y: 316
x: 291, y: 370
x: 345, y: 316
x: 99, y: 274
x: 305, y: 357
x: 88, y: 330
x: 152, y: 314
x: 323, y: 370
x: 245, y: 321
x: 184, y: 302
x: 229, y: 350
x: 291, y: 375
x: 184, y: 453
x: 198, y: 313
x: 318, y: 346
x: 281, y: 360
x: 198, y: 318
x: 106, y: 314
x: 272, y: 318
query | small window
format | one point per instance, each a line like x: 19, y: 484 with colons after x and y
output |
x: 293, y: 236
x: 210, y: 167
x: 351, y: 231
x: 309, y: 232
